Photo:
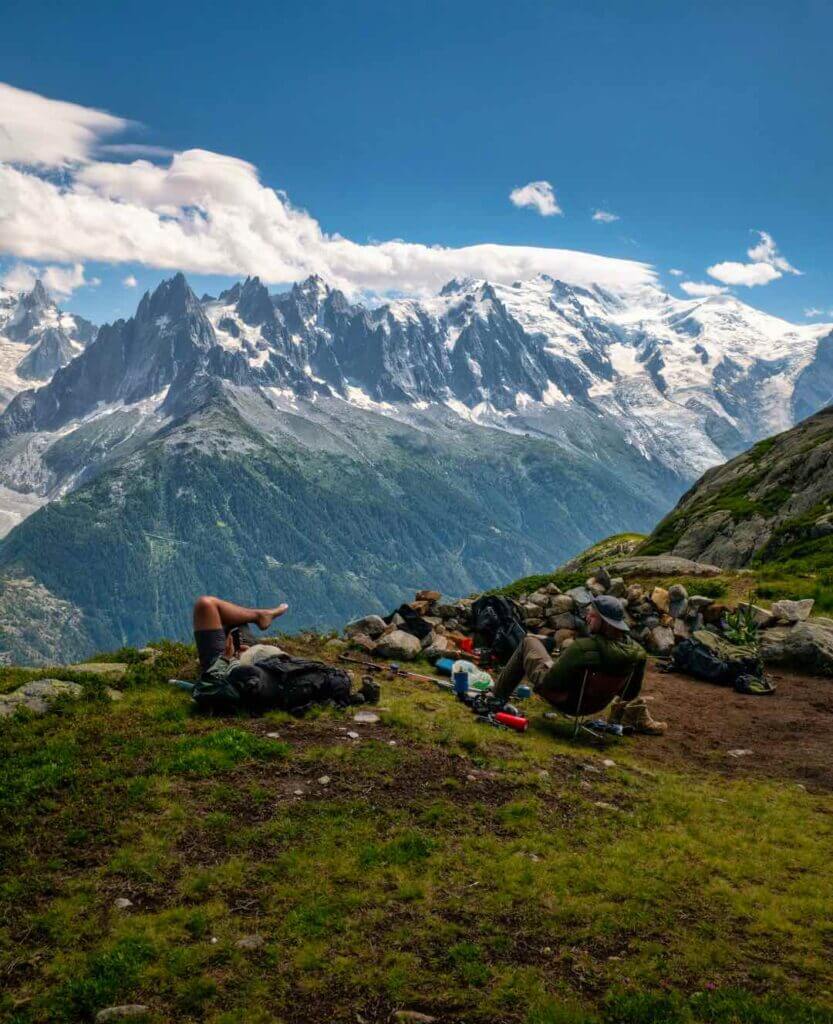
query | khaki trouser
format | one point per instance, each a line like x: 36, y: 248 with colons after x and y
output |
x: 531, y: 660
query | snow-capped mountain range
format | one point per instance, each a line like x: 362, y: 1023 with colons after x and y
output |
x: 686, y: 382
x: 513, y: 423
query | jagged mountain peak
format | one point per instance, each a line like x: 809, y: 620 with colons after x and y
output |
x: 37, y: 297
x: 172, y: 298
x: 313, y: 290
x: 36, y: 338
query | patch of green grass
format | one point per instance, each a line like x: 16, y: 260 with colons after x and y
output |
x: 220, y: 751
x: 528, y: 584
x: 125, y: 655
x: 445, y: 873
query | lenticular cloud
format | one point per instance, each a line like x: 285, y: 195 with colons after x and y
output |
x: 61, y: 200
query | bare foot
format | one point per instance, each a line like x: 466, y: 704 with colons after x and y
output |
x: 265, y: 619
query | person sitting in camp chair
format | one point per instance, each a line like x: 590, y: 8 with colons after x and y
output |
x: 220, y: 628
x: 608, y: 653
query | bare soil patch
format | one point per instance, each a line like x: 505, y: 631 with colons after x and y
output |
x: 789, y: 734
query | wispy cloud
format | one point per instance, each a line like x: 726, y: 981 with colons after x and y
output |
x: 813, y: 312
x: 130, y: 281
x: 209, y: 213
x: 41, y: 132
x: 538, y: 195
x: 605, y: 216
x: 674, y: 272
x: 134, y: 149
x: 60, y: 281
x: 702, y: 289
x: 767, y: 265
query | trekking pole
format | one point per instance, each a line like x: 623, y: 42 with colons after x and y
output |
x: 407, y: 674
x: 369, y: 665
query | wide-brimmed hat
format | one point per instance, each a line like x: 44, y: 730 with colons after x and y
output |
x: 611, y: 611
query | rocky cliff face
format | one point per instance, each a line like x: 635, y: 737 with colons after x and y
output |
x: 774, y: 503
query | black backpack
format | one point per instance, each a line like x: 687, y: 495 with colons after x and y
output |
x: 290, y: 684
x: 707, y: 656
x: 497, y: 623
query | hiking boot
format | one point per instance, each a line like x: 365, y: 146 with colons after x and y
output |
x: 616, y: 710
x: 637, y: 715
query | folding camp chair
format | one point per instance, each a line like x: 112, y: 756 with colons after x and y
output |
x: 596, y: 692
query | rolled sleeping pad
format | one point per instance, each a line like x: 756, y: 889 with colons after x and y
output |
x: 445, y: 665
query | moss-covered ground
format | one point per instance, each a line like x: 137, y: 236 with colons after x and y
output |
x: 444, y: 867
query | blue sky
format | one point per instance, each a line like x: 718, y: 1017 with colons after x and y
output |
x: 697, y: 126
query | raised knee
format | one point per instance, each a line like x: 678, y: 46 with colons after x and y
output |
x: 204, y: 603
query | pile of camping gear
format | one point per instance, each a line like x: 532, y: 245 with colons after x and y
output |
x: 698, y: 635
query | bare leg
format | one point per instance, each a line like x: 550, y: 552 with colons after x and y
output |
x: 214, y: 613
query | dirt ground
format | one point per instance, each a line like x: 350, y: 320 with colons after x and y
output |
x: 786, y: 735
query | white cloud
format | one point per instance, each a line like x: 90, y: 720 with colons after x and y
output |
x: 38, y: 131
x: 674, y: 272
x: 702, y: 289
x: 813, y: 312
x: 749, y: 274
x: 767, y: 265
x: 605, y: 217
x: 538, y: 195
x: 208, y: 213
x: 766, y: 251
x: 130, y: 281
x: 60, y: 281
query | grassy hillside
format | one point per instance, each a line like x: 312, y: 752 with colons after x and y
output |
x: 769, y: 510
x: 444, y: 867
x: 338, y: 517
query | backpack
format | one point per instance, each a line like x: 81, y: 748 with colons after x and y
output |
x: 497, y: 621
x: 707, y: 656
x: 290, y: 684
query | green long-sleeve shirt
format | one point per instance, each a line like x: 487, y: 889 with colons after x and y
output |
x: 615, y: 657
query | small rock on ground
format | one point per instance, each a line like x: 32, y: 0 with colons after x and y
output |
x: 250, y: 942
x: 128, y: 1011
x: 365, y: 717
x: 122, y: 903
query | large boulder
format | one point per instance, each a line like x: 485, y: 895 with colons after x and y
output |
x: 793, y: 611
x: 399, y: 644
x: 441, y: 647
x: 660, y: 640
x: 370, y: 625
x: 581, y: 596
x: 663, y: 565
x: 561, y: 604
x: 37, y: 696
x: 807, y: 646
x: 678, y: 597
x: 762, y: 617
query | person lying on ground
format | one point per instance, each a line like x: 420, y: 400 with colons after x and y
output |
x: 220, y: 629
x: 608, y: 649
